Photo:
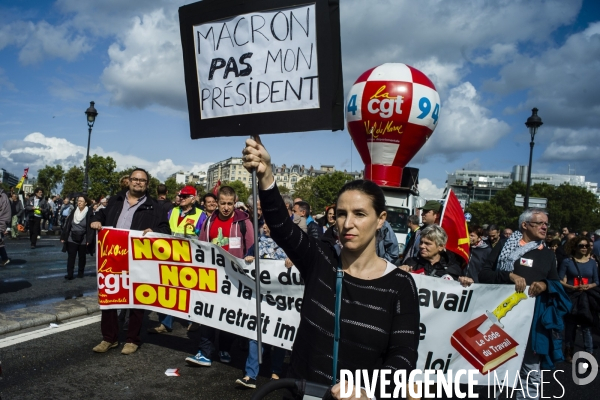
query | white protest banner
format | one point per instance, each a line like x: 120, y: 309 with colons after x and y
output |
x: 482, y: 327
x: 258, y: 62
x: 197, y: 281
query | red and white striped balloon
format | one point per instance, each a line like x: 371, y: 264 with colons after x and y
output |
x: 391, y: 111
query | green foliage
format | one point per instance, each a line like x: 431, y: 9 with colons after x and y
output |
x: 240, y: 189
x: 73, y: 181
x: 321, y: 191
x: 172, y: 188
x: 570, y: 206
x: 103, y: 176
x: 284, y: 189
x: 304, y: 188
x: 49, y: 177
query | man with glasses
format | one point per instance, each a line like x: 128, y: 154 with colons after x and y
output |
x: 130, y: 209
x: 524, y: 260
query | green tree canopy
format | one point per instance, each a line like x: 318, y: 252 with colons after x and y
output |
x: 321, y: 191
x: 49, y: 178
x: 240, y: 189
x: 73, y: 181
x: 172, y: 188
x: 103, y: 176
x: 571, y: 206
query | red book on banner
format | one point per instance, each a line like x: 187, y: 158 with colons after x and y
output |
x: 215, y: 190
x: 486, y: 352
x: 454, y: 223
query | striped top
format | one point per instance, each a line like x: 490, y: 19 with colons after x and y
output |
x: 379, y: 323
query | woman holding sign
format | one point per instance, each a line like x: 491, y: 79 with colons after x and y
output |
x: 379, y: 312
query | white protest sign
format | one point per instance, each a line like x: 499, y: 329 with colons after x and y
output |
x: 482, y: 327
x: 258, y: 62
x: 198, y: 281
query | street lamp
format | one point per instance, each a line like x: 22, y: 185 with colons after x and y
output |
x: 91, y: 118
x: 533, y: 123
x: 469, y: 191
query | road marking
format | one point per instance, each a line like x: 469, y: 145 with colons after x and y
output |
x: 24, y: 337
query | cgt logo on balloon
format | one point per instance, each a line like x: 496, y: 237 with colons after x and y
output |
x: 391, y: 111
x: 113, y: 266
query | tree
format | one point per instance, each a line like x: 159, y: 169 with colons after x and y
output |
x: 73, y: 181
x: 50, y: 177
x: 571, y: 206
x: 321, y: 191
x: 240, y: 189
x: 172, y: 187
x: 103, y: 176
x: 304, y: 188
x: 283, y: 189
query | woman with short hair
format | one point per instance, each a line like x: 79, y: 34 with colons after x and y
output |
x: 77, y: 236
x: 433, y: 259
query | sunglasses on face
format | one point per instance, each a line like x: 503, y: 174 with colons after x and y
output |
x: 185, y: 196
x: 583, y: 246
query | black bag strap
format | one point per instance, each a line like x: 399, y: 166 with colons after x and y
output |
x: 577, y: 266
x: 243, y: 231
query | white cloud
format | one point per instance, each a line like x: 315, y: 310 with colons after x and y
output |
x: 574, y: 145
x: 562, y: 82
x: 37, y: 151
x: 41, y: 40
x: 429, y: 190
x: 464, y: 125
x: 146, y: 64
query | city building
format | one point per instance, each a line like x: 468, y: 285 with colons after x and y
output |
x: 7, y: 178
x: 231, y: 169
x: 487, y: 183
x: 189, y: 178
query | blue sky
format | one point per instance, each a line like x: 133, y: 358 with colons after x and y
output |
x: 490, y: 61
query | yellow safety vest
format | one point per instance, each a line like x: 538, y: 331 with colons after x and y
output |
x: 188, y: 223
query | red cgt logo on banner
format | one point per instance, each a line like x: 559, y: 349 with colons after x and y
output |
x: 113, y: 266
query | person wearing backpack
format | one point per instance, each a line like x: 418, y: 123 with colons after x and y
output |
x: 231, y: 230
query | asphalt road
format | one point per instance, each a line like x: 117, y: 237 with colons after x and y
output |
x: 36, y: 276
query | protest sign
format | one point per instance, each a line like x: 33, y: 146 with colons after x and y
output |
x: 244, y: 61
x: 482, y: 327
x: 197, y: 281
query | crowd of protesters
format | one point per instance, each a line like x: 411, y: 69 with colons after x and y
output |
x: 561, y: 263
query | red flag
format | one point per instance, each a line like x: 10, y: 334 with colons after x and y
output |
x: 25, y: 172
x: 454, y: 223
x: 216, y: 188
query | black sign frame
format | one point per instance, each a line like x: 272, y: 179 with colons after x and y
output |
x: 330, y: 114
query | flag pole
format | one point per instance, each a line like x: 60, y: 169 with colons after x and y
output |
x: 256, y: 260
x: 443, y: 206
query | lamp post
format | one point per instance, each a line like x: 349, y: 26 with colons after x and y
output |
x: 91, y: 118
x: 469, y: 191
x: 533, y: 123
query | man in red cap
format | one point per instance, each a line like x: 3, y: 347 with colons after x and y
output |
x: 184, y: 220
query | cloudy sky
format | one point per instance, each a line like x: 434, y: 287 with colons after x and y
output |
x: 490, y: 61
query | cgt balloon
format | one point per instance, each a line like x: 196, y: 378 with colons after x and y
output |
x: 391, y: 112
